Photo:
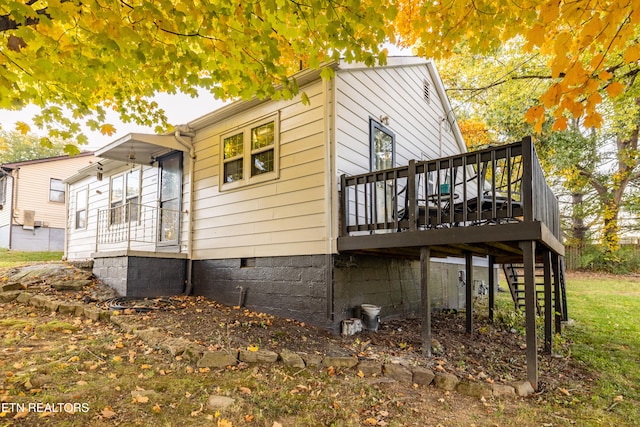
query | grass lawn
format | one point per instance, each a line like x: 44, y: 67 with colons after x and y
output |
x: 15, y: 258
x: 606, y: 338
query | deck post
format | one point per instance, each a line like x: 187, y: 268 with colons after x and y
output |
x: 492, y: 287
x: 425, y: 271
x: 548, y: 306
x: 557, y: 298
x: 468, y: 264
x: 529, y: 260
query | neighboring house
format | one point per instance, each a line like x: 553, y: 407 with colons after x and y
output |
x: 308, y: 211
x: 32, y: 202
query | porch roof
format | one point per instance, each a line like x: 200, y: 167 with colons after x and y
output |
x: 140, y: 148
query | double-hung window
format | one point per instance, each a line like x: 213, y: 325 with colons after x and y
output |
x: 56, y: 190
x: 250, y: 154
x: 124, y: 201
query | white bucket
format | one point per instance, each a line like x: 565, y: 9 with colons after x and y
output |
x: 371, y: 316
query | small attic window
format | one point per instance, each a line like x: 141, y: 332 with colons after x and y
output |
x: 426, y: 91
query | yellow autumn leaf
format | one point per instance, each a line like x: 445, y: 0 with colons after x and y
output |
x: 614, y: 89
x: 253, y: 348
x: 23, y: 128
x: 107, y: 412
x: 224, y: 423
x: 156, y: 408
x: 560, y: 124
x: 549, y: 11
x: 107, y: 129
x: 632, y: 53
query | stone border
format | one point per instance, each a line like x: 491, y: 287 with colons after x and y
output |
x: 156, y: 337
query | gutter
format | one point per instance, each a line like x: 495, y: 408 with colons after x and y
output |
x: 179, y: 134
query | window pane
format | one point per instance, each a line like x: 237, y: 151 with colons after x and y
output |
x: 171, y: 178
x: 262, y: 163
x: 3, y: 187
x: 81, y: 219
x: 133, y: 183
x: 81, y: 200
x: 233, y: 146
x: 262, y: 136
x: 382, y: 150
x: 169, y: 221
x: 57, y: 184
x: 233, y: 171
x: 117, y: 189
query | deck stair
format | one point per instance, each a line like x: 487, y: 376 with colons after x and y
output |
x: 514, y: 274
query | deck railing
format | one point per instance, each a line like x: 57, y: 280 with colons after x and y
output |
x: 132, y: 224
x: 492, y: 186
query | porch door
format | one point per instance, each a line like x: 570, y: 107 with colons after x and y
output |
x: 383, y: 156
x: 170, y: 199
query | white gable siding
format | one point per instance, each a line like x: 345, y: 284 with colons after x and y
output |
x: 396, y: 93
x: 286, y: 216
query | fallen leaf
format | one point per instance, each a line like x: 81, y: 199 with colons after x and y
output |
x: 156, y: 408
x: 253, y: 348
x: 19, y: 415
x: 107, y: 412
x: 370, y: 421
x: 140, y: 399
x: 245, y: 390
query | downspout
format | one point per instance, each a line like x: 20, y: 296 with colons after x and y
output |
x: 182, y: 131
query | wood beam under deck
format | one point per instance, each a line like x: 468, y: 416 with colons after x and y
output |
x: 501, y: 241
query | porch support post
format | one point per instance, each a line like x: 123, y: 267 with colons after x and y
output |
x: 468, y: 264
x: 529, y: 258
x: 557, y: 296
x: 425, y: 271
x: 492, y: 286
x: 548, y: 305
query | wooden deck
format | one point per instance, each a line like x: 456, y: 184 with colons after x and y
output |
x: 494, y: 203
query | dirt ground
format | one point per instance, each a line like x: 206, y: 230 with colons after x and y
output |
x: 495, y: 352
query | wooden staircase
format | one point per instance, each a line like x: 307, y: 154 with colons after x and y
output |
x: 514, y: 274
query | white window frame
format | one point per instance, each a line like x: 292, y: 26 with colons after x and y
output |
x: 123, y: 218
x: 85, y: 208
x: 56, y: 191
x: 247, y: 153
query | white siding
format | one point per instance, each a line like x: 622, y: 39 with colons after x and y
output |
x: 286, y: 216
x: 397, y: 93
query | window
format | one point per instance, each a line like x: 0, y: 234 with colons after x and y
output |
x: 250, y: 154
x: 56, y: 190
x: 124, y: 202
x: 3, y: 189
x: 383, y: 146
x: 81, y: 209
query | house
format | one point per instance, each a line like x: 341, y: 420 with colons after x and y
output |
x: 32, y: 202
x: 308, y: 210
